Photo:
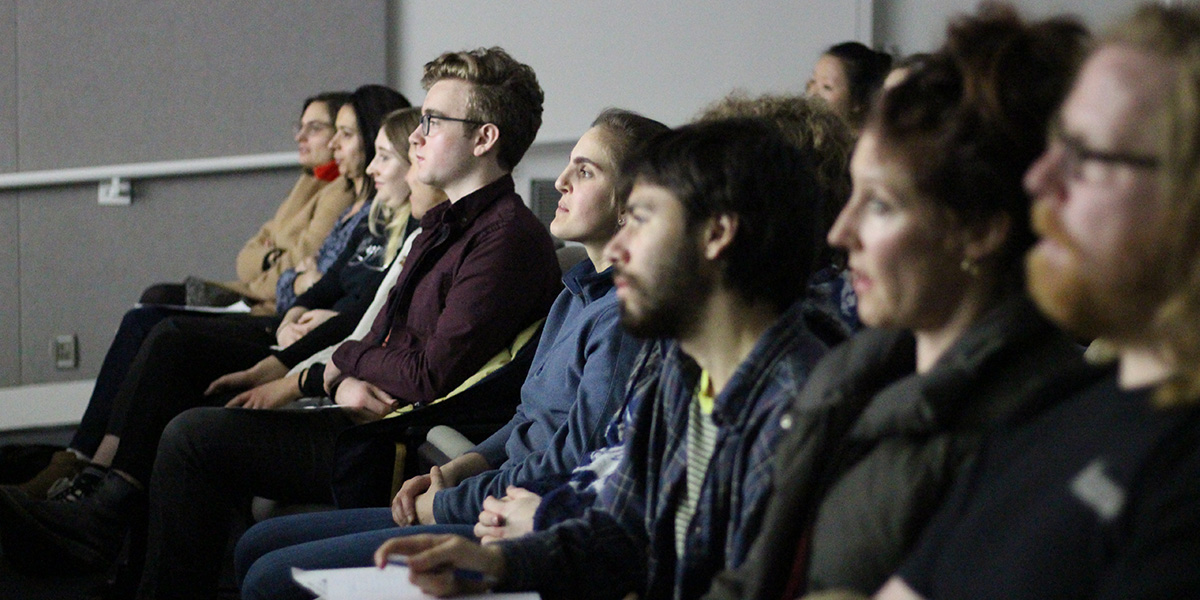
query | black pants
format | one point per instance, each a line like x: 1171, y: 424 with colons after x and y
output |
x: 135, y: 327
x: 169, y: 374
x: 209, y: 462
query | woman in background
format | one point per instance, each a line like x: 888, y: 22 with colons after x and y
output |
x: 847, y: 76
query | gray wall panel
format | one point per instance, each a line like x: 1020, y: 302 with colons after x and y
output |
x: 8, y: 93
x: 140, y: 80
x: 10, y: 315
x: 95, y: 83
x: 10, y: 300
x: 84, y: 264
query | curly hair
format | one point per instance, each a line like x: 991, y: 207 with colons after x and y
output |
x: 973, y: 116
x: 808, y: 125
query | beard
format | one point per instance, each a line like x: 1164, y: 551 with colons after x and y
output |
x: 1081, y: 299
x: 1064, y: 294
x: 670, y: 304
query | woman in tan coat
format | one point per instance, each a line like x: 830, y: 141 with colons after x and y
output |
x: 291, y: 238
x: 309, y: 212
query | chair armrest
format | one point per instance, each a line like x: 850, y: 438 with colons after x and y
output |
x: 444, y: 444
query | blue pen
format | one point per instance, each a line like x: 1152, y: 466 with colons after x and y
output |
x: 463, y: 574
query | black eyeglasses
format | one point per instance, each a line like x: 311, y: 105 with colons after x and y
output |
x: 1076, y: 154
x: 427, y: 118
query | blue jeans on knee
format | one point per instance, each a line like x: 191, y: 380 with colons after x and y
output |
x: 335, y: 539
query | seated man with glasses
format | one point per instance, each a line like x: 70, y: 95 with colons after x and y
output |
x: 482, y: 270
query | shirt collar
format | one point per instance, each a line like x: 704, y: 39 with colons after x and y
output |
x: 468, y: 207
x: 789, y: 334
x: 584, y: 282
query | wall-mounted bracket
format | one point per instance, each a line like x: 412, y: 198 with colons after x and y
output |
x: 118, y: 192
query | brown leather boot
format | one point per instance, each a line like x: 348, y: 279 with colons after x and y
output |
x: 63, y: 464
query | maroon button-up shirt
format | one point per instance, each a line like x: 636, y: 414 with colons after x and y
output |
x: 482, y: 270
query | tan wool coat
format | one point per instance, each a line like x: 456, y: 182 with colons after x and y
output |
x: 298, y: 228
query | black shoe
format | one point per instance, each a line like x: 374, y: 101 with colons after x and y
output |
x: 81, y: 531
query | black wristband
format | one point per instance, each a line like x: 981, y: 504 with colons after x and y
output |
x: 313, y: 384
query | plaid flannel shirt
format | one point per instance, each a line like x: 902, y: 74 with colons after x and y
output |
x: 626, y: 543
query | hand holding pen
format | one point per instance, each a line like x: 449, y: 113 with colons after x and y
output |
x: 444, y: 565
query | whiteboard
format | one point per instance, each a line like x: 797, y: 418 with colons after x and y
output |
x: 665, y: 59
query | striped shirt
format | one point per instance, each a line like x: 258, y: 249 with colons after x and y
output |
x: 701, y: 441
x: 627, y: 541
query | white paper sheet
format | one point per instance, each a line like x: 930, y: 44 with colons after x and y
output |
x: 237, y: 308
x: 370, y: 583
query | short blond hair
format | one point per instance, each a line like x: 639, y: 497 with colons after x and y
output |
x: 504, y: 92
x: 1173, y: 33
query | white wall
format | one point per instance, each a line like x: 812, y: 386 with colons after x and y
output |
x: 668, y: 59
x: 908, y: 26
x: 664, y: 58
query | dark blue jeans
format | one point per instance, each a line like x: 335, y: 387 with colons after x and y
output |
x: 326, y: 540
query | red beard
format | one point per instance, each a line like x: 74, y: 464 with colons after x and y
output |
x: 1080, y: 298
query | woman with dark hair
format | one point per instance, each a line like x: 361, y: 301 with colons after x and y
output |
x: 847, y: 76
x: 81, y: 526
x: 299, y: 225
x: 355, y: 126
x: 935, y: 230
x: 293, y: 234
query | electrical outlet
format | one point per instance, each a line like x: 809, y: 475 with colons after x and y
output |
x: 65, y: 349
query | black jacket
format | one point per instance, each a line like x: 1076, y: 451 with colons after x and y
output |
x: 873, y: 447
